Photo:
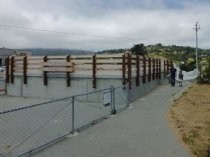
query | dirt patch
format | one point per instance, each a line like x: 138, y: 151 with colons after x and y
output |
x: 189, y: 116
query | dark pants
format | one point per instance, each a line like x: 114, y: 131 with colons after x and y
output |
x: 172, y: 82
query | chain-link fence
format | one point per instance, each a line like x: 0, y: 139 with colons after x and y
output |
x: 29, y: 129
x: 2, y: 86
x: 121, y: 97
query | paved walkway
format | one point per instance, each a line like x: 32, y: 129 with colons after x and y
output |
x: 141, y: 131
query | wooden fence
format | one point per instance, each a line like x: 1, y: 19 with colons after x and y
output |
x: 126, y: 66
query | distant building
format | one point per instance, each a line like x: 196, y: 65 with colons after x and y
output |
x: 4, y: 53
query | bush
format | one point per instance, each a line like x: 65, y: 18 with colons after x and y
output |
x: 204, y: 76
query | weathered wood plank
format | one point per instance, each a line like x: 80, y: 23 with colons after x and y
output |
x: 57, y: 64
x: 81, y: 67
x: 18, y: 65
x: 18, y: 62
x: 31, y: 71
x: 35, y: 58
x: 107, y: 67
x: 81, y: 57
x: 82, y: 61
x: 99, y: 67
x: 35, y: 62
x: 18, y: 57
x: 109, y: 61
x: 34, y: 66
x: 58, y: 69
x: 109, y: 73
x: 119, y: 55
x: 56, y: 58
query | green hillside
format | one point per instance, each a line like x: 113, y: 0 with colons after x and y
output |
x: 184, y: 56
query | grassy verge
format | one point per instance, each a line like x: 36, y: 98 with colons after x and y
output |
x: 190, y: 117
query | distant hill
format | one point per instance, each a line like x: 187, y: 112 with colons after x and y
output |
x: 113, y: 51
x: 56, y: 52
x: 159, y: 48
x: 184, y: 56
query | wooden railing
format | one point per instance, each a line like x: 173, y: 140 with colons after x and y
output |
x: 125, y: 66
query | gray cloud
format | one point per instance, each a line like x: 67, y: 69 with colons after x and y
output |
x: 101, y: 24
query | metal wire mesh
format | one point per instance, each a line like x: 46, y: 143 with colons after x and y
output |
x: 28, y: 129
x: 90, y: 108
x: 2, y: 86
x: 121, y: 97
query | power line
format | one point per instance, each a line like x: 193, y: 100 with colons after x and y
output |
x: 60, y: 32
x: 75, y: 34
x: 86, y: 35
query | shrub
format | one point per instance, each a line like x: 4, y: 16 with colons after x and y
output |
x: 204, y: 76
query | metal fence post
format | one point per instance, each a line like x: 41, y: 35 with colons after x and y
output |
x: 21, y: 86
x: 72, y: 101
x: 127, y: 96
x: 113, y: 110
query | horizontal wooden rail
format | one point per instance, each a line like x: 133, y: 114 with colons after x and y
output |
x: 124, y: 65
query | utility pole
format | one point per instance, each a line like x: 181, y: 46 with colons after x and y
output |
x: 197, y: 27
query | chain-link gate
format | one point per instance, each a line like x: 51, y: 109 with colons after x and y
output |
x: 28, y: 129
x: 121, y: 97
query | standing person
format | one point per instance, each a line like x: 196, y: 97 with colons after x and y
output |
x: 173, y: 76
x: 180, y: 78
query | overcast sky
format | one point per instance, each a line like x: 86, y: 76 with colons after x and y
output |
x: 102, y: 24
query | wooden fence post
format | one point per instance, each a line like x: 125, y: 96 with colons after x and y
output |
x: 25, y: 70
x: 137, y: 70
x: 68, y: 79
x: 7, y: 69
x: 45, y: 78
x: 164, y: 68
x: 129, y: 71
x: 149, y: 73
x: 123, y: 69
x: 160, y: 69
x: 12, y: 70
x: 94, y: 70
x: 157, y: 68
x: 144, y: 69
x: 153, y: 69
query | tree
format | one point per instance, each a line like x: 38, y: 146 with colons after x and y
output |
x: 139, y: 49
x: 204, y: 68
x: 159, y: 45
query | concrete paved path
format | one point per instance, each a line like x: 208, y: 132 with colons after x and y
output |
x: 141, y: 131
